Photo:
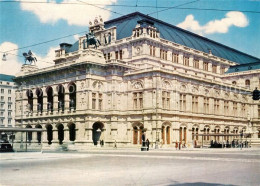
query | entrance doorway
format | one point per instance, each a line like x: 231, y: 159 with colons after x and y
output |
x: 96, y: 132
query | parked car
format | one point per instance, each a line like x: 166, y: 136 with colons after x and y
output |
x: 5, y: 146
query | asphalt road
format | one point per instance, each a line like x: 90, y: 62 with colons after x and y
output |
x: 131, y: 168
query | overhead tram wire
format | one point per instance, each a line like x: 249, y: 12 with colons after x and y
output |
x: 63, y: 36
x: 53, y: 63
x: 133, y: 6
x: 172, y: 7
x: 36, y: 44
x: 100, y: 7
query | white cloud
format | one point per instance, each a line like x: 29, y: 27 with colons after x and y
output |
x: 76, y: 37
x: 232, y: 18
x: 11, y: 66
x: 14, y: 63
x: 75, y: 14
x: 46, y: 61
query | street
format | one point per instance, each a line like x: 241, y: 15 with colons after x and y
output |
x: 123, y: 167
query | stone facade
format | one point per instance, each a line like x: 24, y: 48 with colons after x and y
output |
x: 125, y: 87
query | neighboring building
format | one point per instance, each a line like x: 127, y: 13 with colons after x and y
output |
x: 7, y: 101
x: 248, y: 75
x: 147, y: 76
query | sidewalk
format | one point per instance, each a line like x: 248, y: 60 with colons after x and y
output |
x: 68, y: 154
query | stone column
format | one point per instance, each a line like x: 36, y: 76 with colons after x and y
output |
x: 181, y: 58
x: 45, y: 104
x: 200, y: 64
x: 169, y: 55
x: 67, y: 101
x: 66, y: 134
x: 191, y: 61
x: 55, y: 135
x: 35, y: 104
x: 34, y: 137
x: 44, y: 136
x: 209, y: 67
x: 55, y: 102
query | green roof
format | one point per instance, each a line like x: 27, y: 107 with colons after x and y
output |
x: 244, y: 67
x: 4, y: 77
x: 125, y: 25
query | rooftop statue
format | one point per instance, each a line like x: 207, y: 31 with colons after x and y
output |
x: 92, y: 40
x: 29, y: 57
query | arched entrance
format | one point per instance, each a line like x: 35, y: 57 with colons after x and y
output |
x: 138, y: 130
x: 72, y: 131
x: 29, y: 134
x: 166, y: 133
x: 39, y: 134
x: 60, y: 128
x: 226, y: 131
x: 96, y: 132
x: 49, y: 133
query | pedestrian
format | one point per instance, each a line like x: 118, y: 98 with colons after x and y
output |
x: 176, y: 145
x: 180, y: 146
x: 115, y: 144
x: 147, y: 144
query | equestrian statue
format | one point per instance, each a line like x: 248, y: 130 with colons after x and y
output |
x: 92, y: 40
x: 29, y: 57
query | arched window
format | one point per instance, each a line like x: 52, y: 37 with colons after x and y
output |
x: 72, y: 131
x: 29, y: 94
x: 166, y: 135
x: 234, y: 82
x: 49, y: 134
x: 61, y: 93
x: 49, y: 92
x: 247, y: 83
x: 39, y: 95
x: 195, y: 132
x: 60, y: 128
x: 72, y: 95
x: 226, y: 131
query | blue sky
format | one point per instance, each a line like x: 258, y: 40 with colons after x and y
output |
x: 23, y: 23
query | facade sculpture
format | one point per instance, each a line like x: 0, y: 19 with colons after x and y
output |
x: 138, y: 80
